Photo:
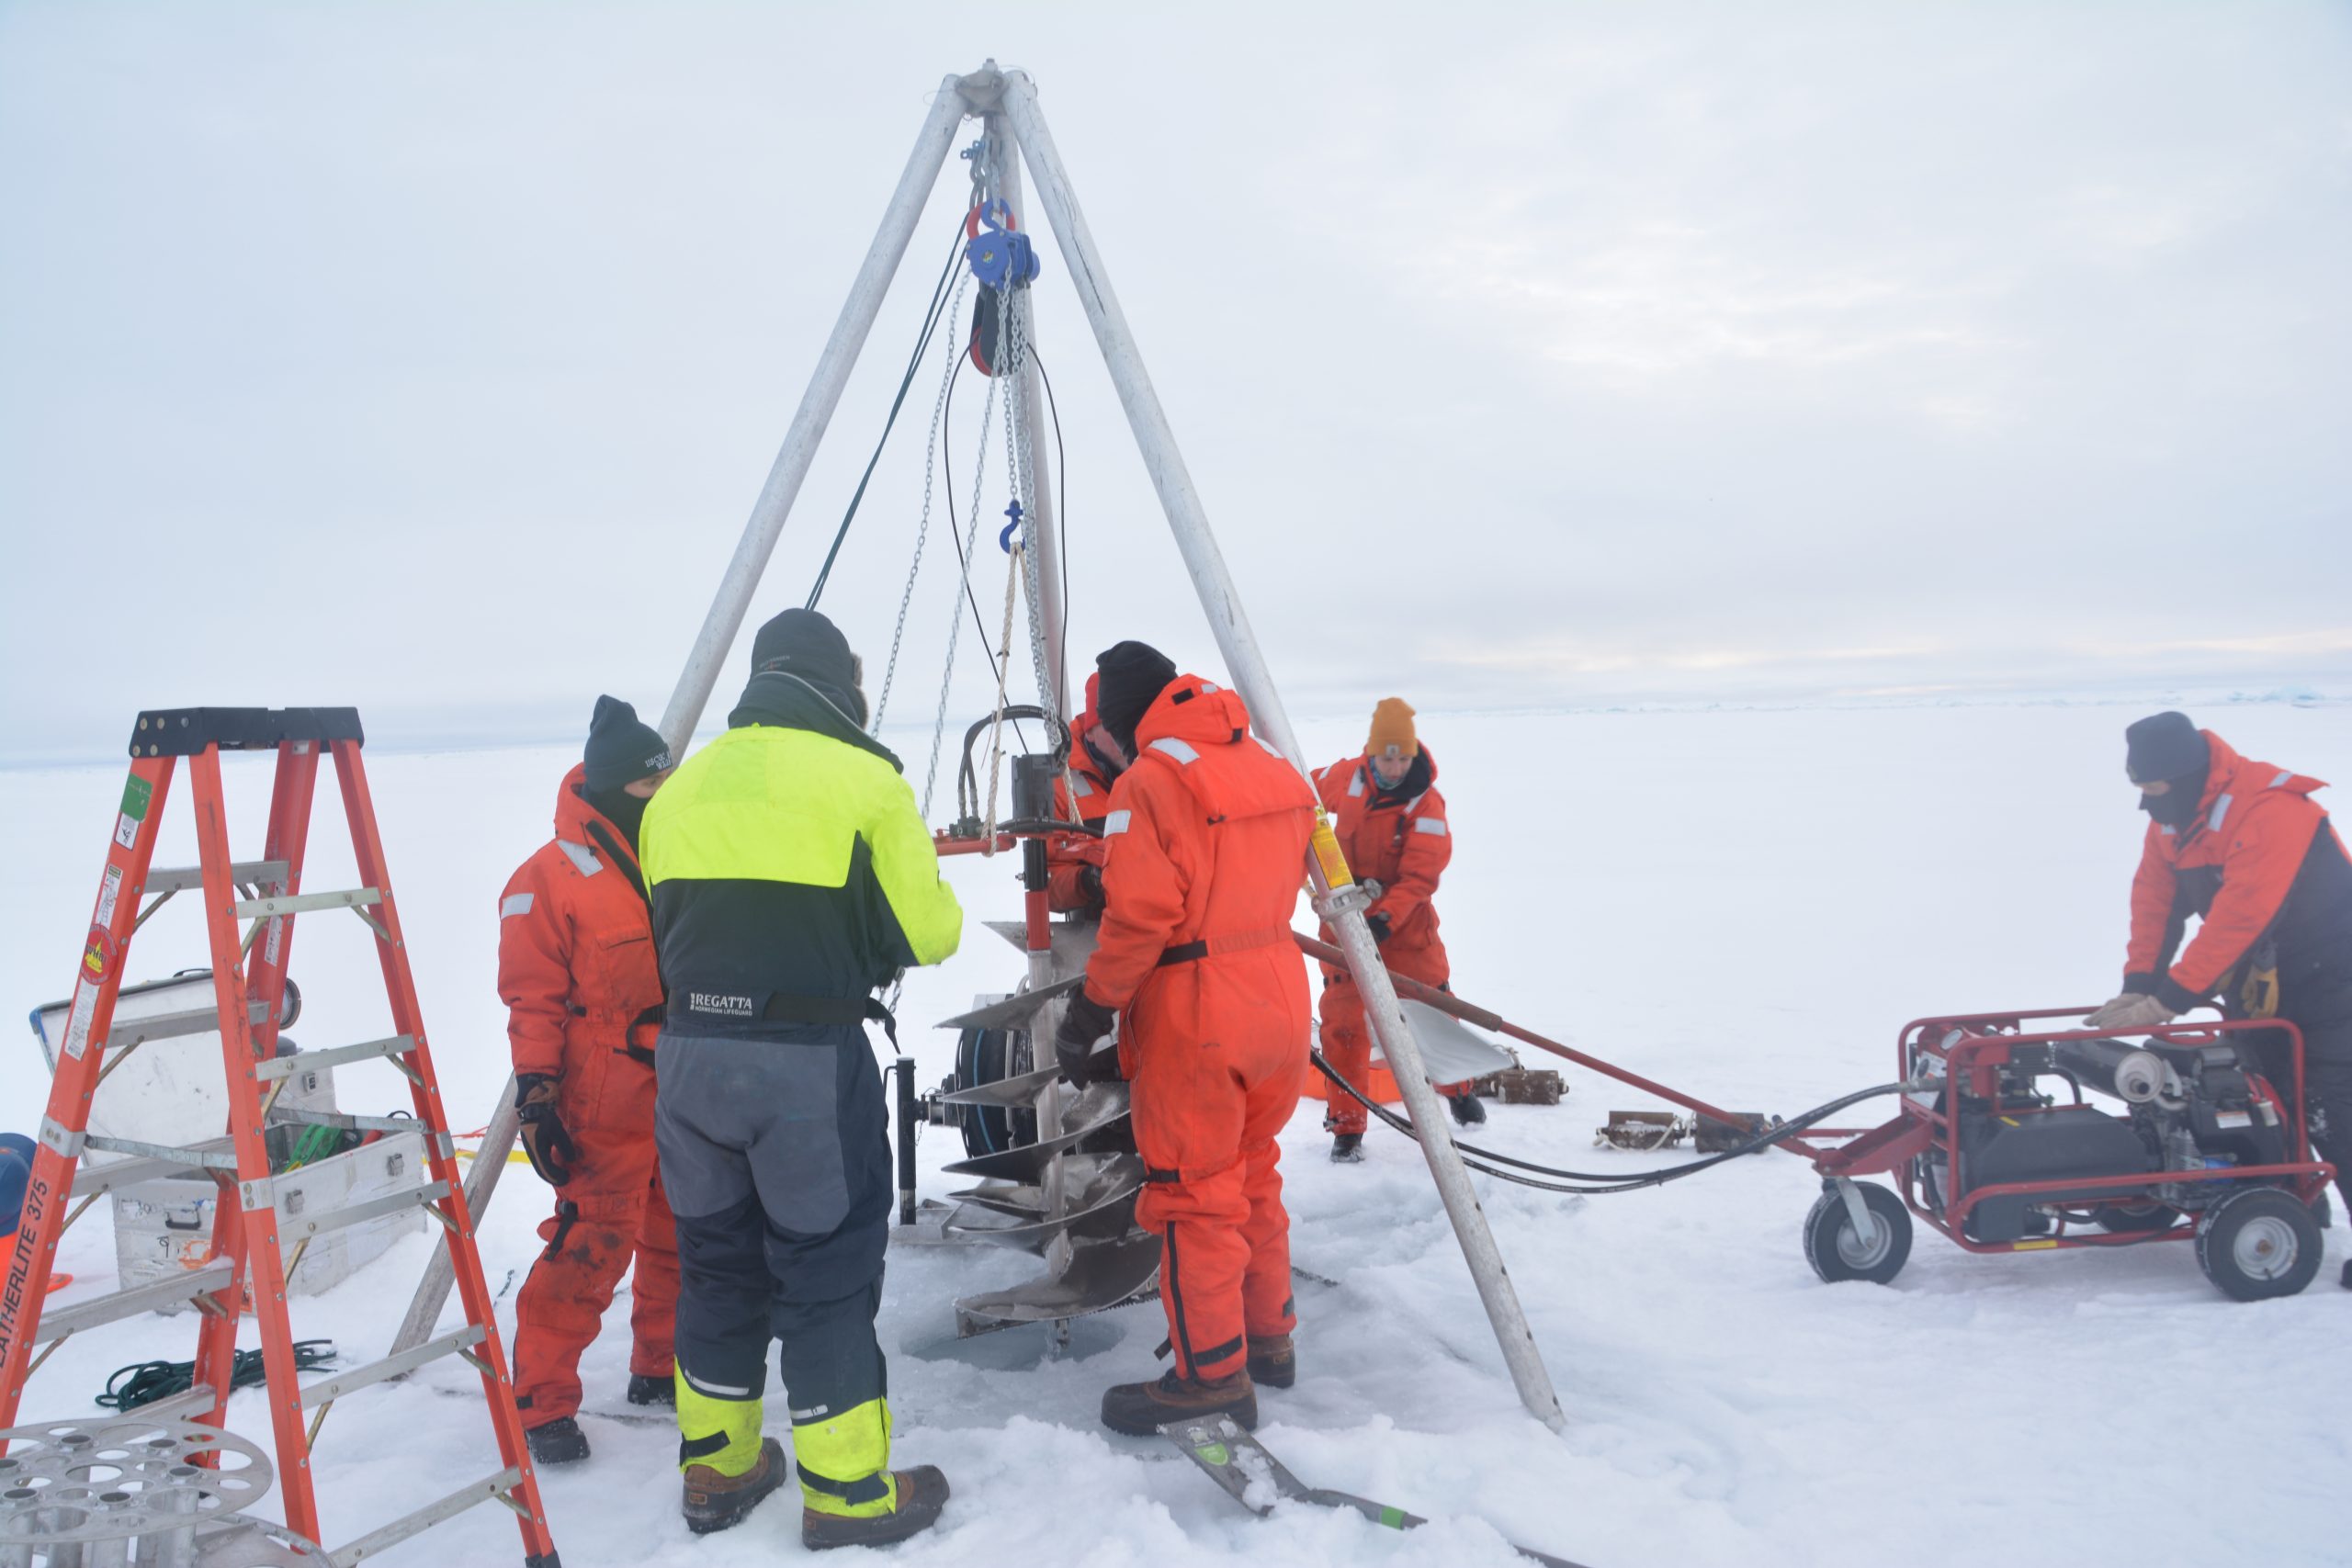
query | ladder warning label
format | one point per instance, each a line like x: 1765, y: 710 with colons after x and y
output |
x: 77, y: 1027
x: 110, y: 891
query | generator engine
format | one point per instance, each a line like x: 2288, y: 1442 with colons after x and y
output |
x: 2183, y: 1108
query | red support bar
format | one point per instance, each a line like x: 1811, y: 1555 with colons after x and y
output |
x: 1470, y: 1012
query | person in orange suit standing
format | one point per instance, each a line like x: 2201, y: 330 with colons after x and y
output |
x: 1391, y: 824
x: 1205, y: 853
x: 584, y: 1003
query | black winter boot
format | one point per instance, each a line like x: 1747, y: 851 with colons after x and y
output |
x: 2346, y: 1279
x: 923, y: 1493
x: 1347, y: 1148
x: 714, y: 1502
x: 1468, y: 1109
x: 645, y: 1390
x: 560, y: 1441
x: 1140, y: 1409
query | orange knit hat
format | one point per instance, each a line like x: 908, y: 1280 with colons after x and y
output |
x: 1392, y: 731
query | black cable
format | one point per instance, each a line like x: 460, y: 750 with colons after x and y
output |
x: 1610, y: 1181
x: 939, y: 300
x: 143, y: 1383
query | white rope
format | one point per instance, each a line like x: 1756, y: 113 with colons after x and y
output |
x: 1012, y: 576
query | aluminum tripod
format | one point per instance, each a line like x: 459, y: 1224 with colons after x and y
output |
x: 1010, y: 99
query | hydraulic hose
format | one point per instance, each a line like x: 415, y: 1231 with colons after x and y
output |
x: 1594, y: 1184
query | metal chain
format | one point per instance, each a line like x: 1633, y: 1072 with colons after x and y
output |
x: 1009, y: 370
x: 930, y: 474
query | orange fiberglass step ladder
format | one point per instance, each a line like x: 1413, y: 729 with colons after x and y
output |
x: 247, y: 1265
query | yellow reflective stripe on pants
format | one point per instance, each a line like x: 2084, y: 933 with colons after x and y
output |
x: 845, y: 1461
x: 721, y: 1433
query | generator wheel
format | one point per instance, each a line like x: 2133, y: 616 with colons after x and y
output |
x: 2258, y: 1244
x: 2127, y: 1218
x: 1837, y: 1253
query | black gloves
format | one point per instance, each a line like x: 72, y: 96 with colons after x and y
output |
x: 1379, y: 924
x: 1084, y: 1022
x: 547, y: 1143
x: 1089, y: 888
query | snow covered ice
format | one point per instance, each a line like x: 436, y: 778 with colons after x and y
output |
x: 1746, y: 904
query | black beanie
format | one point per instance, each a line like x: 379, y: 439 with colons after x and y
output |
x: 622, y: 747
x: 804, y: 643
x: 1133, y: 674
x: 2164, y: 746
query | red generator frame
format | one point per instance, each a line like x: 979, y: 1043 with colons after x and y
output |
x: 1972, y: 1054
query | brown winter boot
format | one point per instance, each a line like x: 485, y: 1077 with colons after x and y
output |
x: 715, y: 1501
x: 922, y: 1493
x: 1274, y: 1362
x: 1140, y: 1409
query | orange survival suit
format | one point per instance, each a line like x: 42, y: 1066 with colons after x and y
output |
x: 1206, y: 844
x: 583, y: 997
x: 1398, y: 838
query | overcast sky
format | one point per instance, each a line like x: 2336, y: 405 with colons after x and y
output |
x: 429, y: 358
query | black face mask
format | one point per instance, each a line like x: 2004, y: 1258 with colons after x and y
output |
x: 1108, y: 766
x: 2176, y: 807
x: 623, y: 810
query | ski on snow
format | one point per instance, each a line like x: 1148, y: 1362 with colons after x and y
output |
x: 1254, y: 1478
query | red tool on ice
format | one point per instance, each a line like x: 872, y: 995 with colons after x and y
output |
x: 252, y: 1223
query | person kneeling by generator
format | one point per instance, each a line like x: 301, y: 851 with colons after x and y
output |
x: 2242, y: 846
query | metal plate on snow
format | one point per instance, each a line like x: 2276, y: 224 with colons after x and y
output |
x: 1073, y: 941
x: 1015, y: 1011
x: 1101, y: 1275
x: 1451, y: 1050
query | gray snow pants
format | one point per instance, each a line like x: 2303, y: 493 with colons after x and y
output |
x: 775, y: 1155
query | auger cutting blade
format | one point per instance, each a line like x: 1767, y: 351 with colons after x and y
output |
x: 1102, y: 1205
x: 1028, y: 1200
x: 1021, y: 1093
x: 1015, y: 1011
x: 1073, y: 941
x: 1095, y: 1113
x: 1451, y: 1050
x: 1101, y: 1275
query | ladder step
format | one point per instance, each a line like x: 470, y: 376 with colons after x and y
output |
x: 296, y: 1227
x: 492, y: 1488
x: 182, y: 1406
x: 59, y: 1322
x: 171, y: 1025
x: 216, y: 1154
x: 335, y: 1387
x: 92, y: 1179
x: 295, y: 903
x: 188, y: 878
x: 333, y: 1056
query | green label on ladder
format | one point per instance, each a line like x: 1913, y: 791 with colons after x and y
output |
x: 135, y: 796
